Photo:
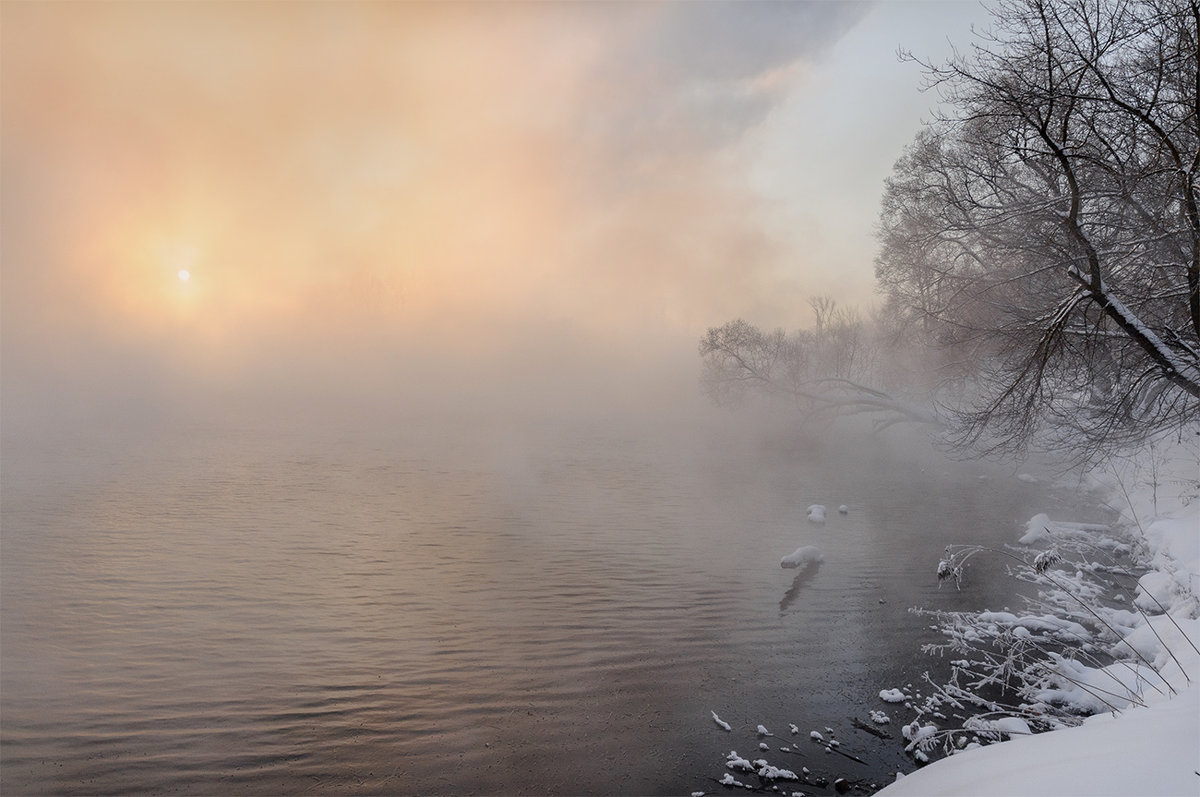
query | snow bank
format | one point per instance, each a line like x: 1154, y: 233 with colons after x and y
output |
x: 1091, y: 690
x: 1174, y: 583
x: 1150, y: 749
x: 1040, y: 528
x: 1045, y: 623
x: 803, y: 556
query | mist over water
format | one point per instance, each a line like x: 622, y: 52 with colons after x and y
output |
x: 461, y: 602
x: 410, y: 487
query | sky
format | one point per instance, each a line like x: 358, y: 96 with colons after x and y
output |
x: 396, y: 199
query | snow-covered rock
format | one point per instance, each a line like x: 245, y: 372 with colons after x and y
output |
x: 816, y: 513
x: 892, y: 696
x: 768, y: 772
x: 722, y: 724
x: 803, y: 556
x: 1000, y: 728
x: 735, y: 761
x: 1036, y: 530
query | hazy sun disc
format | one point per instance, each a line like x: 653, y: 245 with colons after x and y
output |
x: 185, y: 275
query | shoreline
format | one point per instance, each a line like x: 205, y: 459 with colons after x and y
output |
x: 1152, y: 748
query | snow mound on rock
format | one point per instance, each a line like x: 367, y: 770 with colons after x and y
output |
x: 803, y: 556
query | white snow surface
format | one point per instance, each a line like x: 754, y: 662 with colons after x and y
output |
x: 1143, y: 751
x: 1150, y: 750
x: 803, y: 556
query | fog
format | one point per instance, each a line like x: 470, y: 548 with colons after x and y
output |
x: 384, y: 208
x: 349, y: 389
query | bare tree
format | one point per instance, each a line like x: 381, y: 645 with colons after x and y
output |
x: 823, y: 307
x: 823, y: 371
x: 1047, y: 230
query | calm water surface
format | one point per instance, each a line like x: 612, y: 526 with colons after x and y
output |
x: 541, y: 609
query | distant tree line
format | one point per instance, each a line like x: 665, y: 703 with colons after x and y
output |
x: 836, y: 367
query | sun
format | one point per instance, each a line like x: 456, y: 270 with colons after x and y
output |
x: 184, y: 275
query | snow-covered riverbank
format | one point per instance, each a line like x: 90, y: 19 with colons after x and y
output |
x: 1150, y: 749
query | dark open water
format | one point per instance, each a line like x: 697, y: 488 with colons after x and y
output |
x: 551, y: 609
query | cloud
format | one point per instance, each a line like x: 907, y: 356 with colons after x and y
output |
x: 719, y: 63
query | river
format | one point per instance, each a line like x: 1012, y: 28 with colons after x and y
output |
x: 465, y: 608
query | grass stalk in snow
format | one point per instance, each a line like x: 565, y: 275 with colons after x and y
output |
x: 958, y: 555
x: 1011, y: 645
